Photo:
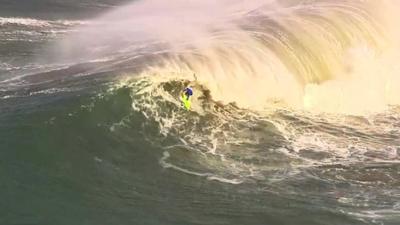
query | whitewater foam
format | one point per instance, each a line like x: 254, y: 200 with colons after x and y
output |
x: 209, y: 176
x: 24, y: 21
x: 31, y: 22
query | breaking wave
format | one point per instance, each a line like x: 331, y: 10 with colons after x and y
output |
x: 321, y: 56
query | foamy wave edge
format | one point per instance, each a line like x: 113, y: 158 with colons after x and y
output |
x: 31, y: 22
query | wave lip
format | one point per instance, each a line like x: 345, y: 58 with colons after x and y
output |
x: 31, y: 22
x: 23, y: 21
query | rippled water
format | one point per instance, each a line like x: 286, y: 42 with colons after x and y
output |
x: 281, y: 132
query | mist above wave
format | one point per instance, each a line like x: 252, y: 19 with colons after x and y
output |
x: 317, y: 55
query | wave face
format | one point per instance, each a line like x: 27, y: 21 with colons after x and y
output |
x: 295, y: 116
x: 327, y: 53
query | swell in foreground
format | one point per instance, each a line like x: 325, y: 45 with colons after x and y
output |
x: 294, y: 121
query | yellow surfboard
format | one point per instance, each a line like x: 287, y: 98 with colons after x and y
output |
x: 186, y: 102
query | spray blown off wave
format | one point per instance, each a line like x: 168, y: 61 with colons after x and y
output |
x: 330, y: 56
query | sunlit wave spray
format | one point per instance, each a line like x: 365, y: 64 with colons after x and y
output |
x: 329, y: 56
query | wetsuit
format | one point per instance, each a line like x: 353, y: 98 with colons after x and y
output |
x: 188, y: 92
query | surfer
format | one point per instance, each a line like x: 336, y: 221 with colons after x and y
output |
x: 188, y: 91
x: 185, y: 97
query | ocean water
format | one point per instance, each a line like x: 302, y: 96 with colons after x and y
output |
x: 295, y: 117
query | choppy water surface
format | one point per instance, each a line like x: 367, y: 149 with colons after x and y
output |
x: 295, y: 116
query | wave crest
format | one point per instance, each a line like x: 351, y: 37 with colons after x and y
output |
x: 256, y: 52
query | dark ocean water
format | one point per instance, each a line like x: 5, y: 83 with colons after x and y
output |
x: 89, y: 141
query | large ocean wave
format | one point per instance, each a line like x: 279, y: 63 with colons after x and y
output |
x: 295, y: 110
x: 329, y: 56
